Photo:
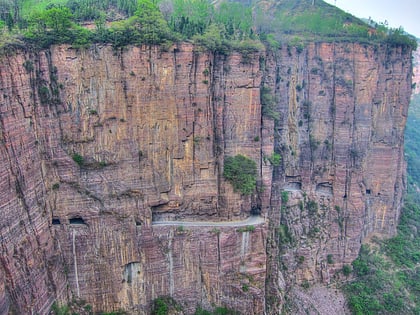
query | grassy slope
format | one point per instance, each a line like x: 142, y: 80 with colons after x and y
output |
x: 31, y: 6
x: 285, y: 21
x: 299, y: 20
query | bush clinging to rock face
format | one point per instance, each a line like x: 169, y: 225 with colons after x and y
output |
x: 241, y: 172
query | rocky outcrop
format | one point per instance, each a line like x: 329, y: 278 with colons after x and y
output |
x: 98, y: 144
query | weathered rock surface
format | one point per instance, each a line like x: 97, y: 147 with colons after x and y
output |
x: 340, y: 134
x: 150, y: 130
x: 316, y: 300
x: 416, y: 72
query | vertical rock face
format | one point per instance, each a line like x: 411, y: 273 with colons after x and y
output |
x: 416, y: 72
x: 340, y: 134
x: 31, y: 260
x: 209, y: 266
x: 97, y: 145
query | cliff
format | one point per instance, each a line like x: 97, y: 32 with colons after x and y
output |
x: 98, y: 146
x: 416, y: 72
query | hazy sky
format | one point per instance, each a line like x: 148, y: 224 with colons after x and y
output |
x: 405, y: 13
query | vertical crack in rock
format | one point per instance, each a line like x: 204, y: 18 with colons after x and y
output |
x: 171, y: 265
x: 76, y: 273
x: 244, y: 244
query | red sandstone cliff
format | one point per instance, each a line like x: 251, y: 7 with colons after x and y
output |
x: 153, y: 128
x: 344, y: 109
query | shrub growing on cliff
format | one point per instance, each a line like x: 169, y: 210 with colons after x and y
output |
x: 248, y: 228
x: 164, y: 305
x: 160, y: 307
x: 241, y: 172
x: 60, y: 310
x: 275, y: 159
x: 284, y: 197
x: 78, y: 159
x: 268, y: 103
x: 346, y: 270
x: 330, y: 259
x: 312, y: 207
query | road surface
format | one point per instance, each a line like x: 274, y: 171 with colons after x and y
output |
x: 253, y: 220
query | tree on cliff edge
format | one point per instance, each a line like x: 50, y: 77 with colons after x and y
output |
x: 150, y: 24
x: 147, y: 26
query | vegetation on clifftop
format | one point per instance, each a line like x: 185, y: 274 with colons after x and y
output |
x: 218, y: 26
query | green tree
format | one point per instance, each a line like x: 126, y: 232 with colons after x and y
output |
x: 237, y: 19
x: 101, y: 34
x: 10, y: 12
x: 52, y: 26
x: 6, y: 16
x: 58, y: 18
x: 191, y: 17
x: 212, y: 39
x: 149, y: 25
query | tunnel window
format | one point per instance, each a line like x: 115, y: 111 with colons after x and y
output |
x: 77, y: 220
x: 56, y: 221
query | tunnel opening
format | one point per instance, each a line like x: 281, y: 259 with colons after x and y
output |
x: 77, y: 221
x: 324, y: 189
x: 255, y: 210
x: 55, y: 221
x: 293, y: 186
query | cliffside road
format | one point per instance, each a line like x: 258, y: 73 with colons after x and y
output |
x: 253, y: 220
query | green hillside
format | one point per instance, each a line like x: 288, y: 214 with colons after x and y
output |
x: 219, y: 26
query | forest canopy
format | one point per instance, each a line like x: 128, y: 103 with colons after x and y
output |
x: 219, y: 25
